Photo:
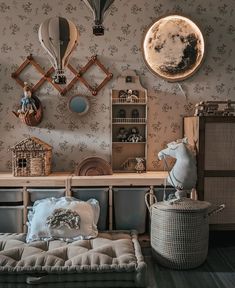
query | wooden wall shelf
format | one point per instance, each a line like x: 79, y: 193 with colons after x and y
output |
x: 66, y: 179
x: 78, y: 75
x: 129, y: 113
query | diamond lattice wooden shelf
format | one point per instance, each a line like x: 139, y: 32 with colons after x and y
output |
x: 83, y: 70
x: 30, y: 61
x: 78, y: 75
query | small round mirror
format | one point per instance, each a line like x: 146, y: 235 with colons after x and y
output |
x: 79, y: 104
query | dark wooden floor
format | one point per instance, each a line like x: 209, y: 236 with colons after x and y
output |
x: 217, y: 272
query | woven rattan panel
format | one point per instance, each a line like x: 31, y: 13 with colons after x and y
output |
x: 220, y: 146
x: 219, y: 190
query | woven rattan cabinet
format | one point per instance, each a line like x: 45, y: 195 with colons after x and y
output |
x: 214, y: 138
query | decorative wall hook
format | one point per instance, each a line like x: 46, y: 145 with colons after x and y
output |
x: 78, y: 75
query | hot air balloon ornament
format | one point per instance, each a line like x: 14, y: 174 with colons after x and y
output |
x: 99, y: 9
x: 59, y: 37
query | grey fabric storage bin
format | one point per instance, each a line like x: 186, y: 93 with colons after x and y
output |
x: 159, y: 192
x: 11, y: 210
x: 13, y: 195
x: 41, y: 193
x: 100, y: 194
x: 11, y: 219
x: 129, y: 208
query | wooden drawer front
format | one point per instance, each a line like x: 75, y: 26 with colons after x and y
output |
x: 219, y: 190
x: 219, y: 146
x: 11, y: 195
x: 11, y: 219
x: 100, y: 194
x: 159, y: 192
x: 41, y: 193
x: 130, y: 208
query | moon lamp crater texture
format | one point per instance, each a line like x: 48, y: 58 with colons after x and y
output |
x: 173, y: 47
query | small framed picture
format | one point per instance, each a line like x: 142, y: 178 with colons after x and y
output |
x: 128, y: 79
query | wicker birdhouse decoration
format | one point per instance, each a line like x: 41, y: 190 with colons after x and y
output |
x: 31, y: 157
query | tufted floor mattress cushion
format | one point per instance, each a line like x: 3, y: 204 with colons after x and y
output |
x: 113, y: 259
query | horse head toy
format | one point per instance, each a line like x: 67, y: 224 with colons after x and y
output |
x: 183, y: 175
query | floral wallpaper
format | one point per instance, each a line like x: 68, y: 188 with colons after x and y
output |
x: 73, y: 137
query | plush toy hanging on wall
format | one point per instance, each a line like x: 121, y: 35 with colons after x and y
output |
x: 59, y: 37
x: 30, y: 110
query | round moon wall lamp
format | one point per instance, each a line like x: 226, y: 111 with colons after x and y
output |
x: 173, y: 48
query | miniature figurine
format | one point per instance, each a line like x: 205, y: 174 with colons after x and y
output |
x: 131, y: 97
x: 199, y: 109
x: 228, y: 109
x: 27, y: 102
x: 213, y: 108
x: 135, y: 92
x: 122, y: 94
x: 122, y: 135
x: 139, y: 167
x: 134, y: 135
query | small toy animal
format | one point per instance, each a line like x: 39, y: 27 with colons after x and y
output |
x: 134, y: 135
x: 139, y: 167
x: 27, y: 102
x: 122, y: 135
x: 131, y: 97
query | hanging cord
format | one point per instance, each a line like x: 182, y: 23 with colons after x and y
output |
x: 182, y: 91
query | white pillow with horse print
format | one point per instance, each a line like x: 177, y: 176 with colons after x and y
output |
x: 64, y: 218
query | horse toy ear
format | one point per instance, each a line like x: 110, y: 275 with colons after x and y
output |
x: 171, y: 144
x: 185, y: 140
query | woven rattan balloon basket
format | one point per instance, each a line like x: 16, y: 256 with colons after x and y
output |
x: 180, y: 232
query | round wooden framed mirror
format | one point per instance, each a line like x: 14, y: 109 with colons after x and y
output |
x: 79, y: 104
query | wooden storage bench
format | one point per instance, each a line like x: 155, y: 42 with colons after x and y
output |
x: 100, y: 187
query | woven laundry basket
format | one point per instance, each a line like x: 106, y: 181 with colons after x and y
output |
x: 180, y: 232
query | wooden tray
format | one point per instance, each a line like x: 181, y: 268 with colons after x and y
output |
x: 93, y: 166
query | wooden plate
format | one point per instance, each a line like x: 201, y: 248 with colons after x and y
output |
x: 93, y: 166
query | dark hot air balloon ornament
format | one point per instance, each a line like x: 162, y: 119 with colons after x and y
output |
x: 99, y: 9
x: 59, y: 37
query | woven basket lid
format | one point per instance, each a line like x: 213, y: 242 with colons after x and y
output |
x: 182, y: 205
